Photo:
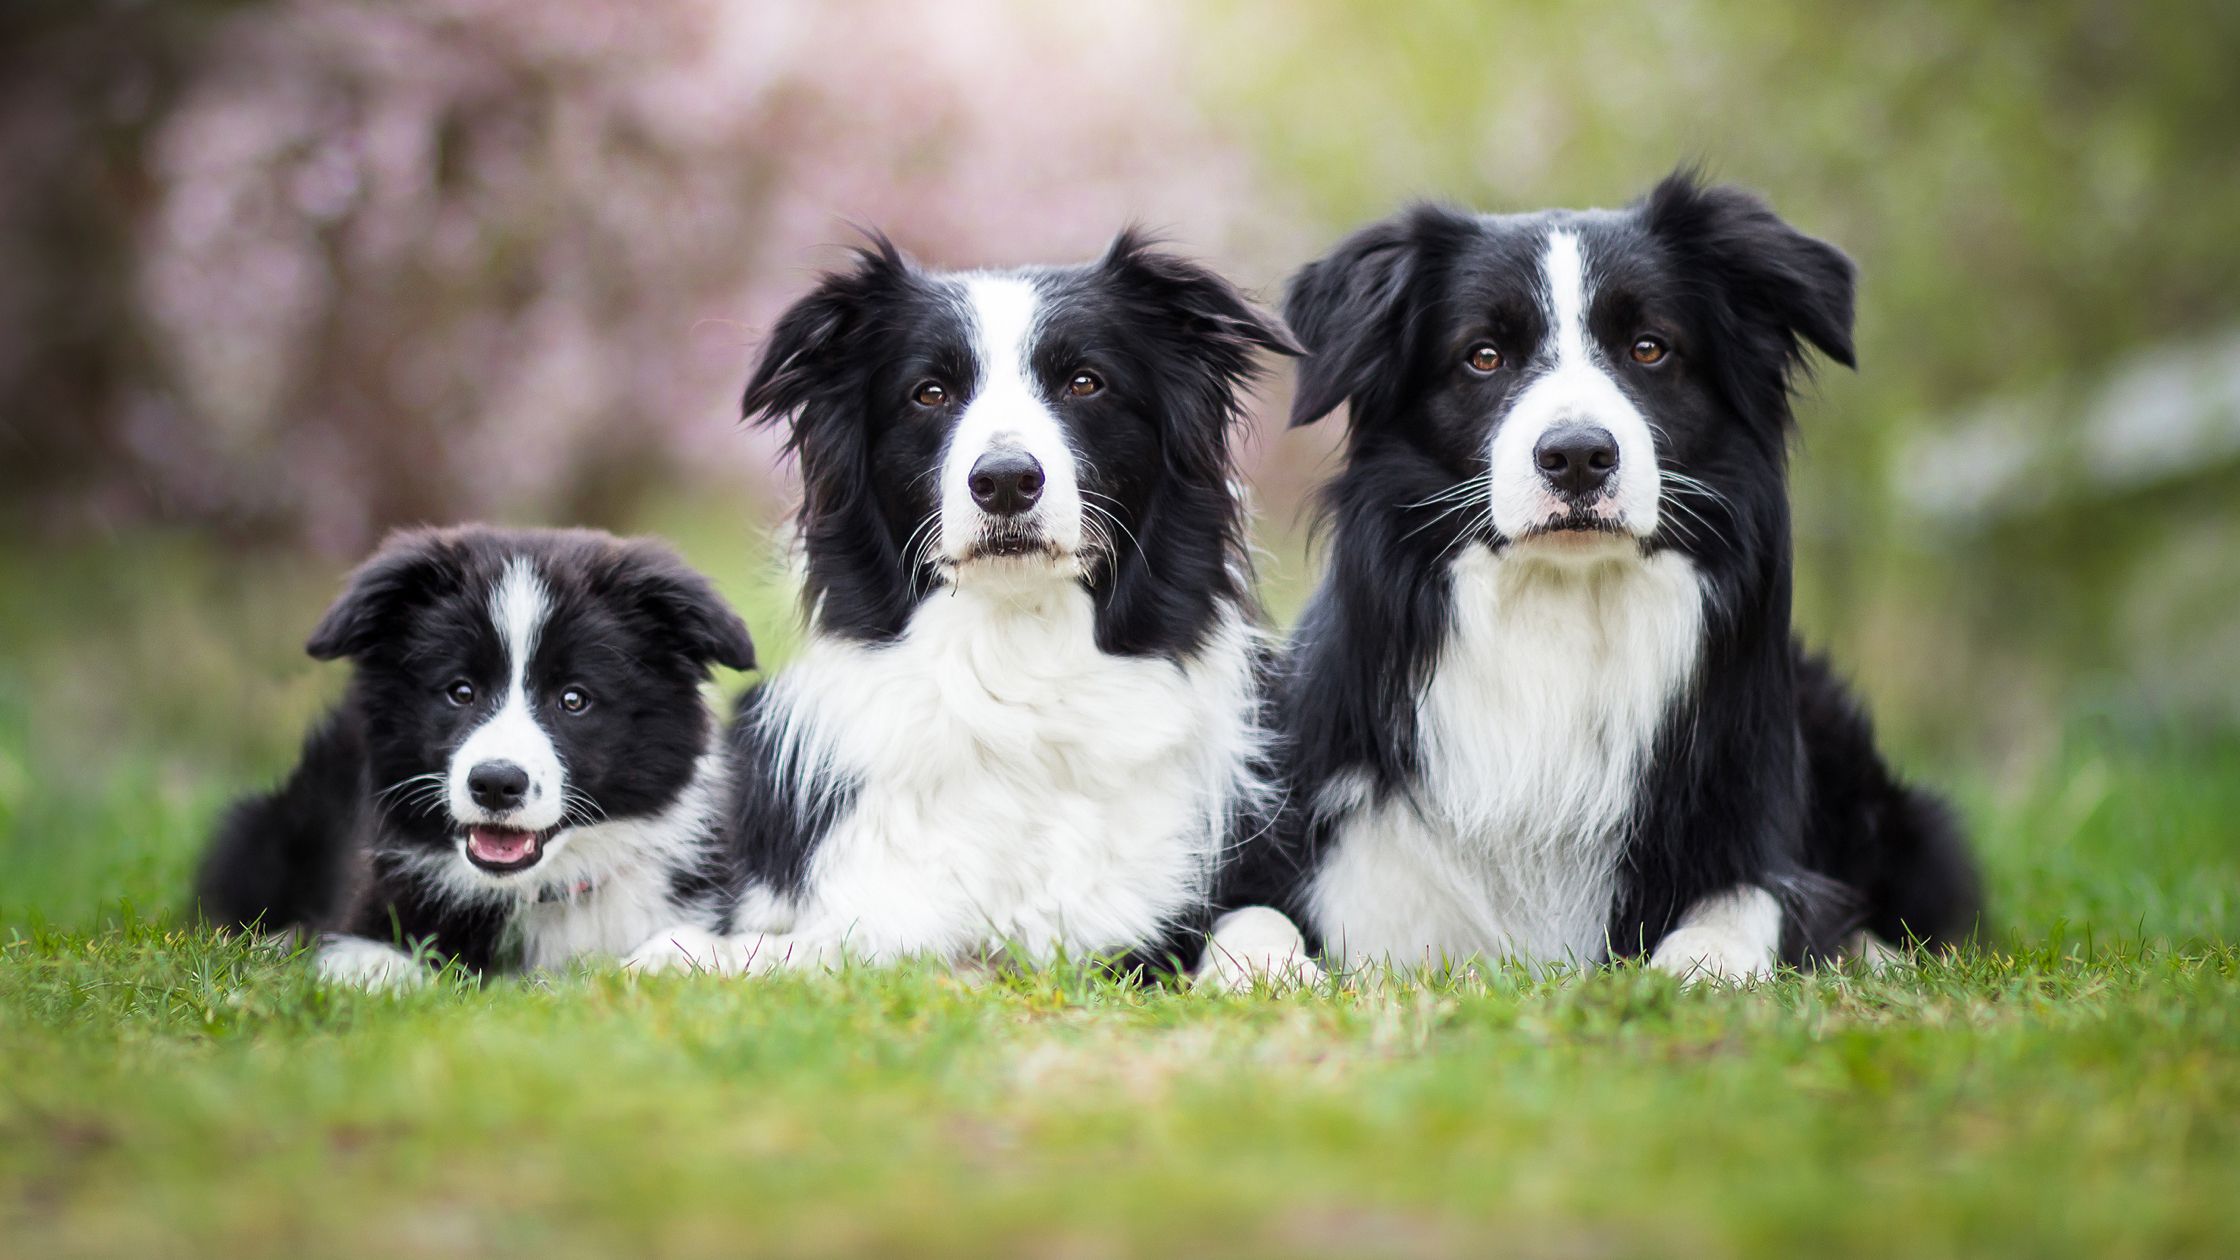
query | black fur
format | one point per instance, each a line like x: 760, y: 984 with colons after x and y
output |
x: 348, y: 843
x: 1763, y: 773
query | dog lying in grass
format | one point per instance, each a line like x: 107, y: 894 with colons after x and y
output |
x: 522, y: 773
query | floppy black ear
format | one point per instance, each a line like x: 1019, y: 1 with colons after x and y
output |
x: 411, y: 568
x: 799, y: 360
x: 1204, y: 305
x: 1350, y: 309
x: 679, y: 600
x: 1784, y: 288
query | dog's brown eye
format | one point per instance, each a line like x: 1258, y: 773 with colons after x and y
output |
x: 1084, y: 384
x: 1649, y: 351
x: 460, y: 692
x: 575, y: 700
x: 931, y: 394
x: 1484, y: 359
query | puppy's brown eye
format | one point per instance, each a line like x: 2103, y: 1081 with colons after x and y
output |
x: 1649, y: 351
x: 1484, y: 360
x: 1084, y: 384
x: 460, y: 692
x: 575, y: 700
x: 930, y: 394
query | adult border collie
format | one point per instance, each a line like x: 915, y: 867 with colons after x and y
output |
x: 1028, y: 716
x: 1546, y: 704
x: 523, y: 770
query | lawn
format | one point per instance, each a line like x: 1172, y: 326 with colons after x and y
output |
x: 2073, y: 1088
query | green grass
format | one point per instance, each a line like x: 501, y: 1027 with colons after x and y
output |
x: 2073, y: 1089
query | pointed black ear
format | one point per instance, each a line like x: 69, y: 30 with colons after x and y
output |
x: 1786, y: 289
x: 1204, y: 304
x: 801, y: 356
x: 411, y: 568
x: 681, y: 603
x: 1351, y: 308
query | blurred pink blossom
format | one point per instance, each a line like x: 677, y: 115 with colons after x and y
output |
x: 443, y: 258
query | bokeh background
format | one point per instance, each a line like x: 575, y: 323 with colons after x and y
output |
x: 276, y: 275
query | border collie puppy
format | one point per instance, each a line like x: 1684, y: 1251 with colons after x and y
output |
x: 523, y: 771
x: 1546, y: 704
x: 1029, y: 711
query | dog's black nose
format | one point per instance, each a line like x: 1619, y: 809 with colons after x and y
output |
x: 1576, y: 458
x: 1005, y: 482
x: 498, y: 786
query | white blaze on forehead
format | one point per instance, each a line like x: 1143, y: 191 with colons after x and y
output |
x: 1569, y: 382
x: 518, y: 607
x: 1565, y: 273
x: 1007, y: 409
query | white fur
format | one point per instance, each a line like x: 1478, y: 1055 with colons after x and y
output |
x: 1730, y: 937
x: 1255, y: 946
x: 518, y: 607
x: 1557, y: 671
x: 369, y: 965
x: 1571, y: 385
x: 627, y: 864
x: 1009, y: 785
x: 1007, y: 411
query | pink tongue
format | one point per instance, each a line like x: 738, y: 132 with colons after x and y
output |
x: 501, y: 845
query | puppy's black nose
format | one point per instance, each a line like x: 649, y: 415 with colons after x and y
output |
x: 1005, y: 482
x: 1577, y: 459
x: 498, y: 786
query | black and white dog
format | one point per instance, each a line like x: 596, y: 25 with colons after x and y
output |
x: 523, y: 771
x: 1546, y: 704
x: 1029, y: 712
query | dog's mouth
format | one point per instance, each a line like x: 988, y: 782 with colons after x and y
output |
x: 1579, y: 522
x: 502, y: 850
x: 1008, y: 544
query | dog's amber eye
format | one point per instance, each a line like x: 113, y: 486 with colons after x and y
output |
x: 575, y: 700
x: 1084, y: 384
x: 1484, y: 359
x: 1649, y: 351
x: 930, y: 394
x: 460, y: 692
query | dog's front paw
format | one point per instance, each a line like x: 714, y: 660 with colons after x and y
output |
x: 1700, y: 954
x: 687, y: 947
x: 368, y: 965
x: 1255, y: 946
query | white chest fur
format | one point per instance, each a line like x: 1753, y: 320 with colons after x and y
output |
x: 1533, y: 732
x: 613, y: 879
x: 1010, y: 782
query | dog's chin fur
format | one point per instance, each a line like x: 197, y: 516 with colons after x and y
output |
x: 1590, y: 736
x: 1031, y: 730
x: 461, y: 641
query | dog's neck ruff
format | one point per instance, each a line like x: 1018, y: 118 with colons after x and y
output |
x: 1000, y: 781
x: 1533, y: 729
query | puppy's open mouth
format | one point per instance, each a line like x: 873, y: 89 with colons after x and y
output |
x: 504, y: 849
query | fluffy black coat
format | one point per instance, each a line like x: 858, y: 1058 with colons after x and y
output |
x: 1763, y: 772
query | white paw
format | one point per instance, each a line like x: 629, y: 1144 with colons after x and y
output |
x: 687, y: 947
x: 1699, y: 954
x: 1729, y: 938
x: 368, y: 965
x: 1868, y: 950
x: 1252, y: 946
